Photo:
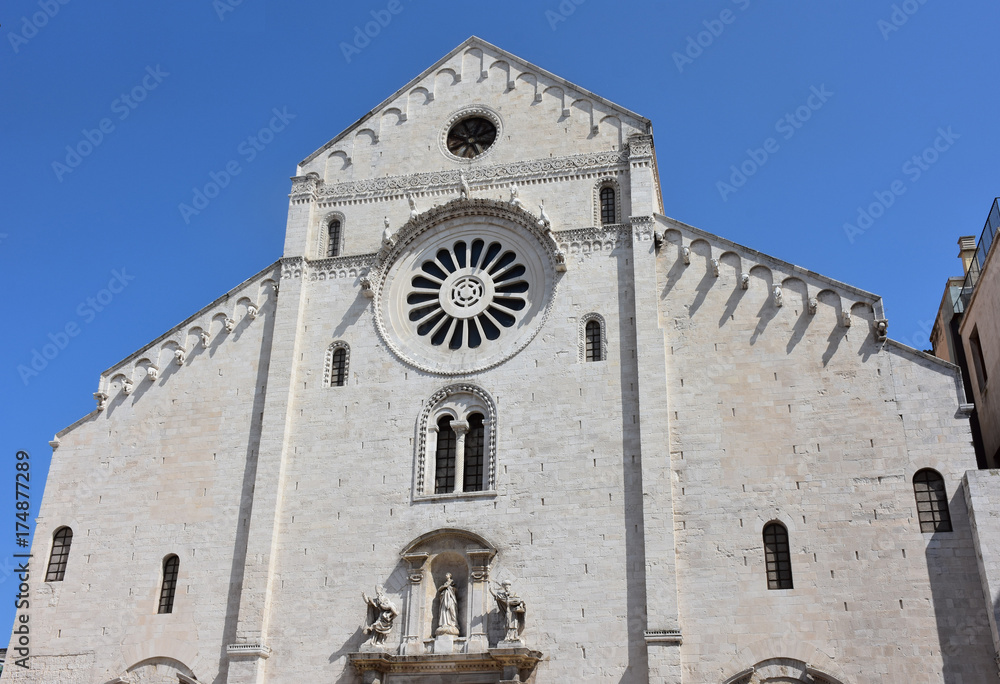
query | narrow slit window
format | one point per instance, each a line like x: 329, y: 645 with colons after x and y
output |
x: 777, y: 557
x: 333, y: 238
x: 171, y: 567
x: 61, y: 541
x: 592, y: 332
x: 932, y: 501
x: 978, y: 360
x: 338, y: 368
x: 607, y: 205
x: 474, y: 451
x: 444, y: 460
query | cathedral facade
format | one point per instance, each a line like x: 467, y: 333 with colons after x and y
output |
x: 494, y: 417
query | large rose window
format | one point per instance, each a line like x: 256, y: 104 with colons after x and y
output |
x: 465, y: 292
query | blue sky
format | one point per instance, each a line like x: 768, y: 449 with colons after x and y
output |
x: 889, y: 103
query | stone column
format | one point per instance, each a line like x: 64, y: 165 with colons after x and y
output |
x: 461, y: 428
x: 413, y: 643
x: 430, y: 460
x: 479, y: 600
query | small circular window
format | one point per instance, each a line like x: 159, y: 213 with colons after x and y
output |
x: 470, y: 137
x: 467, y: 293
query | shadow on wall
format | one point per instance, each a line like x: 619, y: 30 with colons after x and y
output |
x: 957, y: 597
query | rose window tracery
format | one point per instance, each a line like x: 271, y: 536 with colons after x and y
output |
x: 466, y: 293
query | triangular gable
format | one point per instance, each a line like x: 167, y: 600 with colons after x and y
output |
x: 574, y: 92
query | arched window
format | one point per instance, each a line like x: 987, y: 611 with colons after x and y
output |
x: 456, y: 452
x: 333, y: 238
x: 61, y: 541
x: 444, y: 459
x: 593, y: 334
x: 338, y: 367
x: 608, y: 205
x: 472, y: 479
x: 777, y: 556
x: 593, y: 341
x: 171, y: 566
x: 338, y: 356
x: 932, y: 501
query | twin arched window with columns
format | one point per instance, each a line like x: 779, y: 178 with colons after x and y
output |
x: 456, y: 452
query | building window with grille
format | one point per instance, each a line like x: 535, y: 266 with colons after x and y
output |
x: 337, y: 360
x: 171, y: 566
x: 472, y: 478
x: 608, y: 206
x: 593, y: 334
x: 333, y: 238
x: 593, y: 340
x: 444, y: 458
x: 932, y: 501
x: 61, y: 541
x: 777, y: 556
x: 456, y: 453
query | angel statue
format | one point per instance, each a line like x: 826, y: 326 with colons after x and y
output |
x: 381, y: 614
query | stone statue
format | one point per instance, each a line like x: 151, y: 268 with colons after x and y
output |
x: 514, y: 199
x: 777, y: 295
x: 230, y: 324
x: 205, y: 338
x: 466, y: 191
x: 512, y: 607
x: 179, y: 356
x: 543, y: 218
x: 381, y: 613
x: 448, y: 612
x: 252, y: 311
x: 686, y: 255
x: 413, y: 205
x: 127, y: 387
x: 813, y: 305
x: 715, y: 267
x: 745, y: 281
x: 387, y: 240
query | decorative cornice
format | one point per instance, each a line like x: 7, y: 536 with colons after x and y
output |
x: 395, y: 185
x: 248, y: 650
x: 493, y: 660
x: 332, y: 268
x: 669, y: 636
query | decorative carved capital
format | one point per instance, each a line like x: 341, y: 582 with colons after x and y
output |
x: 778, y: 295
x: 686, y: 255
x: 813, y: 306
x: 640, y: 146
x: 205, y: 338
x: 152, y: 373
x: 127, y: 387
x: 230, y: 324
x: 252, y: 311
x: 745, y: 281
x: 305, y: 187
x: 179, y: 356
x: 102, y: 400
x: 715, y: 267
x: 846, y: 319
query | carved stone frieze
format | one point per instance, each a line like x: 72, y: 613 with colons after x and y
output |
x: 523, y: 170
x: 642, y: 228
x: 640, y: 146
x: 583, y: 241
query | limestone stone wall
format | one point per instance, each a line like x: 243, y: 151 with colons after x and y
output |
x: 563, y: 518
x: 779, y: 414
x: 161, y: 470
